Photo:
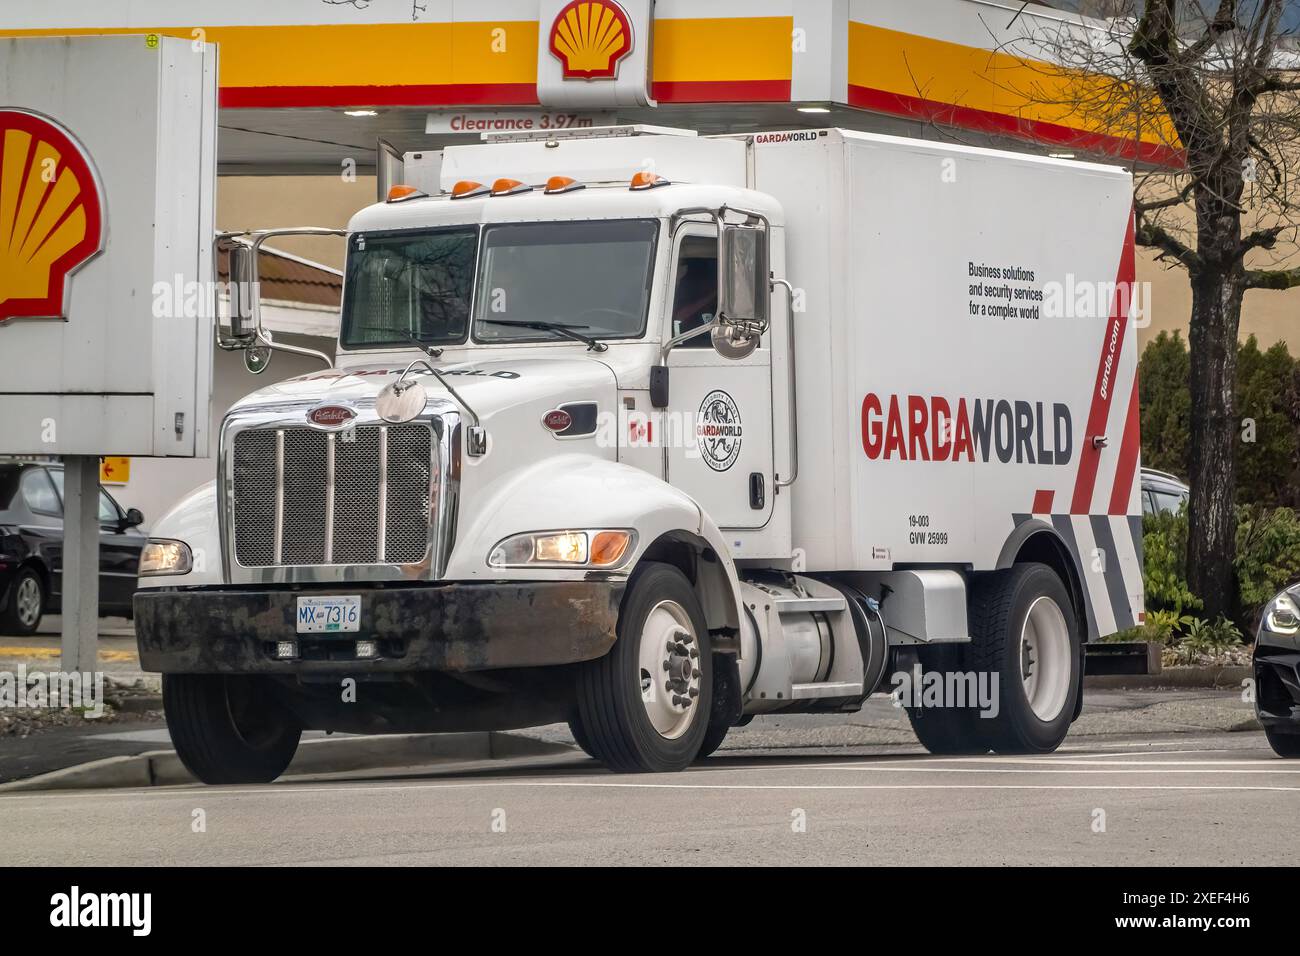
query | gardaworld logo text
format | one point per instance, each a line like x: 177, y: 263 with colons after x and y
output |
x: 921, y: 428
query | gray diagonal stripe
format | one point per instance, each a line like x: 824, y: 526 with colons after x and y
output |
x: 1135, y: 529
x: 1114, y: 573
x: 1066, y: 530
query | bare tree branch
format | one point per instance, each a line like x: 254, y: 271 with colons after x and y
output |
x: 1153, y: 236
x: 1278, y: 279
x: 1225, y: 21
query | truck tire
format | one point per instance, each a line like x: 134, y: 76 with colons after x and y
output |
x: 1024, y: 630
x: 1284, y: 745
x: 727, y: 708
x: 228, y: 729
x: 713, y: 738
x: 645, y: 705
x: 26, y: 604
x: 580, y: 737
x: 948, y: 731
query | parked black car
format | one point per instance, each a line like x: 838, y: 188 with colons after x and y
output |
x: 31, y: 547
x: 1161, y: 492
x: 1277, y: 672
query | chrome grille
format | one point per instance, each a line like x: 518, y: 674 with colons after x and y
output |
x: 304, y: 497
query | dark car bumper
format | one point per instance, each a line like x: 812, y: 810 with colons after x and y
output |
x: 1277, y: 687
x: 452, y: 627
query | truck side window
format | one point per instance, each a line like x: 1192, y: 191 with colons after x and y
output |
x: 695, y: 300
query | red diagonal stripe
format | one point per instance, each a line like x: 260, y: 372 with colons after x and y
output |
x: 1127, y: 468
x: 1103, y: 390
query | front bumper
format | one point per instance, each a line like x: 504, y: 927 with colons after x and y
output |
x: 447, y: 627
x: 1277, y: 687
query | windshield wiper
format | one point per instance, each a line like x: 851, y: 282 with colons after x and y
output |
x: 559, y: 328
x: 423, y: 344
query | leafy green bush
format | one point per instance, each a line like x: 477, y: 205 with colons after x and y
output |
x: 1165, y: 402
x: 1267, y: 413
x: 1160, y: 627
x: 1209, y: 639
x: 1268, y: 560
x: 1164, y: 546
x: 1268, y: 556
x: 1267, y: 406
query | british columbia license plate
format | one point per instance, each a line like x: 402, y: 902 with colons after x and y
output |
x: 329, y: 614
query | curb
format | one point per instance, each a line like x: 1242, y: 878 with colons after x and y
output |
x: 163, y: 768
x: 1175, y: 677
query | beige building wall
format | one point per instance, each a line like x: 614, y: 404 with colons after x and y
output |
x: 1270, y: 316
x: 265, y: 202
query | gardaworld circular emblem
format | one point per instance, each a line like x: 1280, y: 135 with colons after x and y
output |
x: 718, y: 430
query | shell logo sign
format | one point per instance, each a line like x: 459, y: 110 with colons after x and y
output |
x: 590, y: 37
x: 51, y: 214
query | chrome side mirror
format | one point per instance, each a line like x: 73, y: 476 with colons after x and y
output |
x: 242, y: 290
x: 744, y: 290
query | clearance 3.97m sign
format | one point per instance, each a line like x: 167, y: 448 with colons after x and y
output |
x: 51, y: 214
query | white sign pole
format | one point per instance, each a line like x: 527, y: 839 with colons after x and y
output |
x: 80, y: 564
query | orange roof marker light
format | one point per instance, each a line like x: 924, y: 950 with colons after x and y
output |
x: 509, y: 187
x: 645, y: 180
x: 401, y: 193
x: 467, y: 189
x: 562, y: 184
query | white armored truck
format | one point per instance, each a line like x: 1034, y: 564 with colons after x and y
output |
x: 655, y: 433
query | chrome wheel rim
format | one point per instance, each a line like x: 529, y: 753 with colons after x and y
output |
x: 669, y: 671
x: 27, y: 601
x: 1045, y: 664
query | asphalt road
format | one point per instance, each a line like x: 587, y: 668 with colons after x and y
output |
x: 1219, y: 799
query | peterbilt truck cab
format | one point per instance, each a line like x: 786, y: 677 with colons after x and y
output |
x: 594, y: 448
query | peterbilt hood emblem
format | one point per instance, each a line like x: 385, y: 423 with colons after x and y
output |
x: 331, y: 416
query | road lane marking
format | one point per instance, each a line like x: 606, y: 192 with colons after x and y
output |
x: 1242, y: 765
x: 343, y: 789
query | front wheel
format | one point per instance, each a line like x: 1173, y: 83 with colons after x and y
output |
x: 228, y: 729
x: 645, y: 705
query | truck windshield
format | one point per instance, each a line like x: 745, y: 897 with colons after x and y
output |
x: 408, y: 285
x: 593, y: 277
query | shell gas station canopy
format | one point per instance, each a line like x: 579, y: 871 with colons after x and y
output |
x: 306, y: 85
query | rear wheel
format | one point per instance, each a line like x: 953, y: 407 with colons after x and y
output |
x: 948, y: 730
x: 26, y: 604
x: 229, y: 729
x: 645, y: 705
x: 1022, y: 662
x: 1284, y: 745
x: 580, y: 736
x: 1024, y: 632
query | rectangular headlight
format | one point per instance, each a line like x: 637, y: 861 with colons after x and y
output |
x: 596, y: 549
x: 165, y: 556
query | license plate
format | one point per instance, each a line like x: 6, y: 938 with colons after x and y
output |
x: 329, y: 614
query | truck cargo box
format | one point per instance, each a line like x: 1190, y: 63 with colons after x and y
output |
x: 966, y: 356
